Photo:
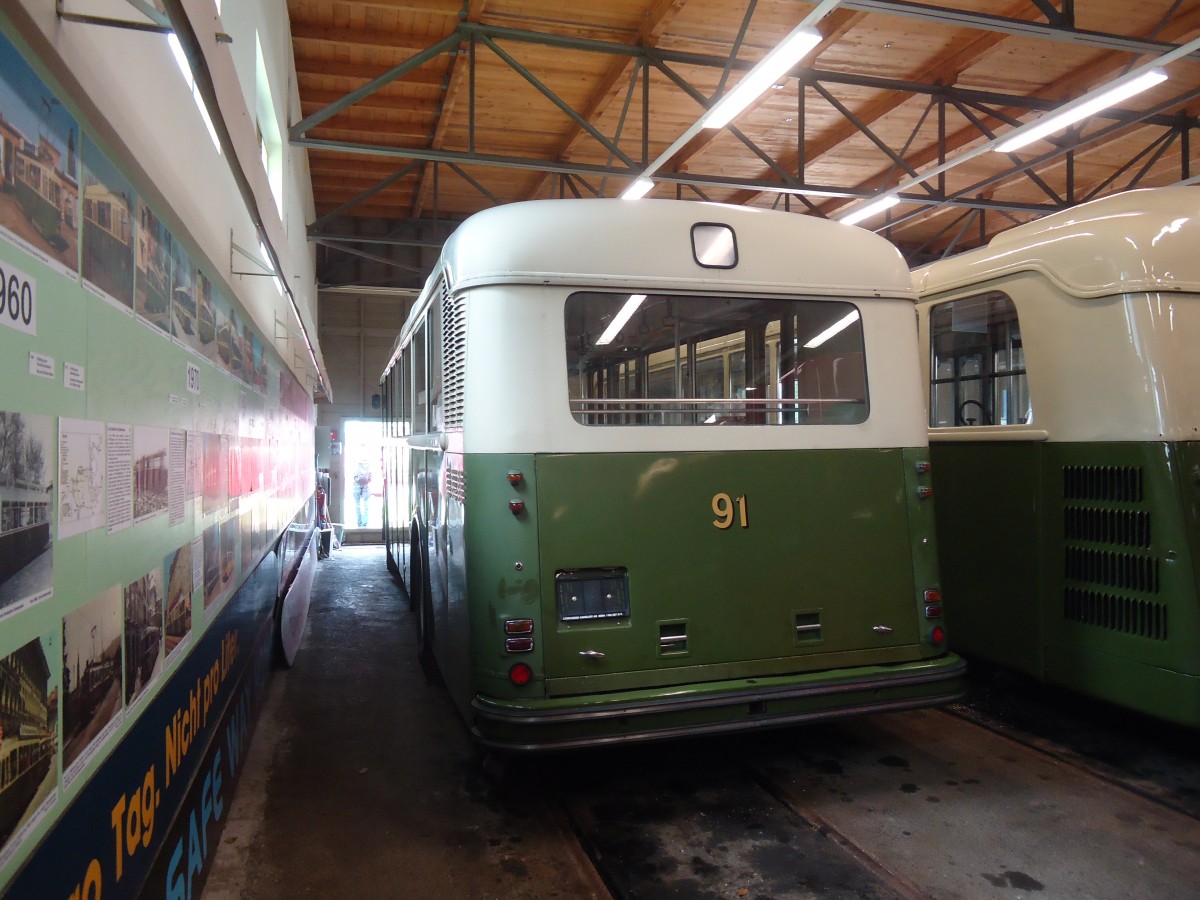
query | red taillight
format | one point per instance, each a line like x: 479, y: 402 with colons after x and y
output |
x: 924, y: 493
x: 923, y: 466
x: 933, y: 611
x: 933, y: 596
x: 516, y: 506
x: 520, y: 674
x: 518, y: 626
x: 937, y: 635
x: 518, y: 645
x: 514, y: 477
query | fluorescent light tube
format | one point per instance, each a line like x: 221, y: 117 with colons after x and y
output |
x: 770, y: 69
x: 836, y: 328
x: 1080, y: 109
x: 887, y: 201
x: 638, y: 189
x: 622, y: 316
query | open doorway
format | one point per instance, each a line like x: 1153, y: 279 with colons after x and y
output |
x: 363, y: 498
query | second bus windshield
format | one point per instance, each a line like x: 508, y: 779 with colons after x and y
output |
x: 657, y: 359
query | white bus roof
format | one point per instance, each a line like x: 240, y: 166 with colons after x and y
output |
x: 648, y: 243
x: 1143, y: 240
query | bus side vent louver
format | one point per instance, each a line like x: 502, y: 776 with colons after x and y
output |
x: 454, y: 356
x: 1128, y: 528
x: 1126, y: 571
x: 1103, y: 483
x: 1141, y: 618
x: 456, y: 484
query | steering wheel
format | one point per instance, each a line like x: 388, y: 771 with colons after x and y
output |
x: 961, y: 418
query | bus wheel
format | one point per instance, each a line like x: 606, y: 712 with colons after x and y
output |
x: 425, y: 623
x: 414, y: 570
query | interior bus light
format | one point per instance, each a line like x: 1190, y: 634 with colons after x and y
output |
x: 767, y: 72
x: 1085, y: 106
x: 887, y: 201
x: 836, y: 328
x: 619, y: 320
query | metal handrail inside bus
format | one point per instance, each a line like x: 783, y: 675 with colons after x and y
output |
x: 720, y: 409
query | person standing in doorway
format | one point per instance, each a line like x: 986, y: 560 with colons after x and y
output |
x: 362, y: 491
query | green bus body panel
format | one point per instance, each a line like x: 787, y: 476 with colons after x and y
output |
x: 1076, y: 563
x: 826, y: 534
x: 990, y: 542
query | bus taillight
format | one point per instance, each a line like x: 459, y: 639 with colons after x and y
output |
x: 937, y: 635
x: 520, y: 674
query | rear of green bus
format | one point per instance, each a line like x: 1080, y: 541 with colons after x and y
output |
x: 716, y: 548
x: 686, y: 498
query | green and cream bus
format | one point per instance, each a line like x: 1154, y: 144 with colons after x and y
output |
x: 1063, y: 364
x: 657, y: 468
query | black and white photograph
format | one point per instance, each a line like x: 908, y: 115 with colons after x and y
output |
x: 143, y: 634
x: 26, y: 510
x: 91, y: 679
x: 150, y: 472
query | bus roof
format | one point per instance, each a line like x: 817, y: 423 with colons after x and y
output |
x: 1143, y: 240
x: 648, y: 242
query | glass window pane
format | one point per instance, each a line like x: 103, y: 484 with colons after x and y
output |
x: 684, y: 360
x: 977, y: 364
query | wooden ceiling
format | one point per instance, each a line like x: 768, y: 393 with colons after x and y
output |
x: 418, y: 113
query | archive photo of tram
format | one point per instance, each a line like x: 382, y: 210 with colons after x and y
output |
x: 28, y: 743
x: 108, y: 217
x: 178, y: 578
x: 143, y: 634
x: 91, y: 676
x: 149, y: 472
x: 185, y: 324
x: 26, y: 510
x: 153, y: 284
x: 39, y: 186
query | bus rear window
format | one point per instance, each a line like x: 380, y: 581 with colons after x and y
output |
x: 658, y: 359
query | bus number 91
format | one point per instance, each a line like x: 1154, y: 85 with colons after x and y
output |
x: 723, y: 507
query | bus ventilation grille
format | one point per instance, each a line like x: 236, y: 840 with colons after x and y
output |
x: 1104, y: 483
x: 456, y: 484
x: 454, y: 357
x: 1142, y: 618
x: 1128, y: 528
x: 1126, y: 571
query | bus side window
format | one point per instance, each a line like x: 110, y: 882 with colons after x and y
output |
x: 977, y: 364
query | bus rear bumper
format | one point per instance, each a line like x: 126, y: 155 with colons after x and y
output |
x: 591, y: 720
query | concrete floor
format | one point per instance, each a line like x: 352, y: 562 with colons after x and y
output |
x: 361, y: 781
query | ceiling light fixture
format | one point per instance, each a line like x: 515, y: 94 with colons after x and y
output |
x: 767, y: 72
x: 619, y: 320
x: 638, y: 189
x: 887, y: 201
x: 1087, y: 105
x: 833, y: 330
